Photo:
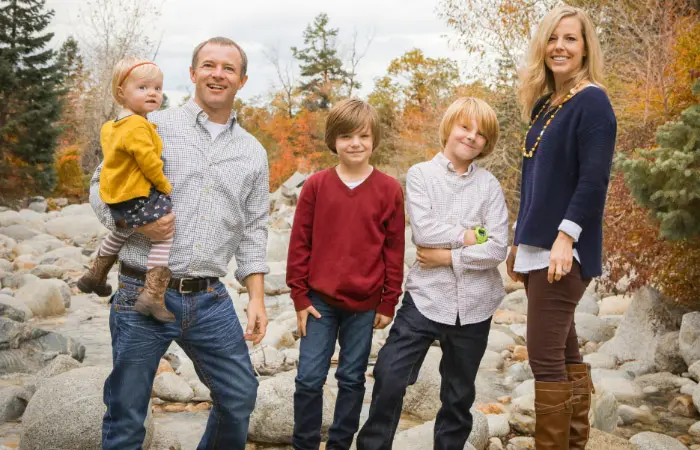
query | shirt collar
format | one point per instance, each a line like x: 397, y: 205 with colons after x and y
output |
x: 445, y: 163
x: 199, y: 116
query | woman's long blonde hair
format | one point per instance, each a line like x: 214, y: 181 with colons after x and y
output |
x: 536, y: 79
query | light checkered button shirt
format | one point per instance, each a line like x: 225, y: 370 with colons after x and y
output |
x: 220, y: 197
x: 442, y: 204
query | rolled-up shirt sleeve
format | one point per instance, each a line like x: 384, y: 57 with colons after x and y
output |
x: 99, y: 207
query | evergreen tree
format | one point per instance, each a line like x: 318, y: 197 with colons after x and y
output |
x: 667, y: 179
x: 320, y: 65
x: 30, y: 91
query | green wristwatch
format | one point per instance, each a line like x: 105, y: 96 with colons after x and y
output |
x: 481, y: 235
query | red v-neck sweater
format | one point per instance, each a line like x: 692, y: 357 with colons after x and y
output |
x: 348, y: 244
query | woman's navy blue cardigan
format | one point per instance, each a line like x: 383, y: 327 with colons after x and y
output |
x: 568, y: 176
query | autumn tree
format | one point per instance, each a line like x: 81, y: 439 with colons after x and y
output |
x: 319, y: 63
x: 30, y: 91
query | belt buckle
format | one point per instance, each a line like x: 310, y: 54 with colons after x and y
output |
x: 181, y: 290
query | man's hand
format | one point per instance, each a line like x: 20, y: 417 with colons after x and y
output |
x: 160, y: 230
x: 434, y: 257
x: 303, y: 316
x: 257, y: 321
x: 381, y: 321
x: 561, y: 257
x: 510, y: 264
x: 469, y: 237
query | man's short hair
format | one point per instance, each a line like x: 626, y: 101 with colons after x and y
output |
x: 225, y: 42
x: 465, y: 109
x: 348, y: 116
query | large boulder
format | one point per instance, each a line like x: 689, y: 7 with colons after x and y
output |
x: 591, y: 328
x: 70, y: 227
x: 647, y: 440
x: 515, y: 301
x: 588, y: 304
x: 600, y: 440
x: 44, y: 298
x: 603, y: 413
x: 12, y: 405
x: 272, y: 420
x: 14, y: 308
x: 66, y: 412
x: 648, y: 318
x: 616, y: 305
x: 18, y: 232
x: 25, y: 349
x: 689, y: 338
x: 668, y: 354
x: 421, y: 437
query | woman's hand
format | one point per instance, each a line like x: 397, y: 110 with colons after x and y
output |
x: 434, y: 257
x: 561, y: 257
x: 510, y: 264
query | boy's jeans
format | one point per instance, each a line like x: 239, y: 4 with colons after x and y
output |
x: 353, y: 330
x: 207, y: 329
x: 397, y: 367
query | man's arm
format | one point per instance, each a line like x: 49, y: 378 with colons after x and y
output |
x: 101, y: 209
x: 428, y: 232
x: 492, y: 252
x: 257, y: 316
x: 251, y: 253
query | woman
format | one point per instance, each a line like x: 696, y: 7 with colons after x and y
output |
x: 558, y: 237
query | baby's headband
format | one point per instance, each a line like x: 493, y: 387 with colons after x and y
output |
x: 126, y: 75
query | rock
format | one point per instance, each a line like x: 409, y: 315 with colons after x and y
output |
x: 521, y: 443
x: 164, y: 439
x: 83, y: 209
x: 498, y: 425
x: 186, y: 370
x: 665, y: 381
x: 524, y: 388
x: 66, y: 412
x: 18, y: 232
x: 694, y: 371
x: 12, y: 406
x: 70, y: 227
x: 689, y: 338
x: 603, y: 415
x: 688, y: 389
x: 491, y: 361
x: 421, y: 436
x: 507, y: 317
x: 272, y: 420
x: 74, y: 253
x: 499, y: 341
x: 23, y: 262
x: 200, y: 390
x: 63, y: 288
x: 524, y: 405
x: 43, y: 298
x: 695, y: 430
x: 647, y: 440
x: 600, y: 361
x: 588, y: 304
x: 668, y: 355
x: 14, y: 308
x: 47, y: 271
x: 624, y: 390
x: 168, y: 386
x: 592, y: 328
x: 60, y: 364
x: 648, y: 318
x: 508, y: 284
x: 638, y: 368
x: 600, y: 440
x: 18, y: 280
x: 515, y: 301
x: 278, y: 336
x: 696, y: 397
x: 683, y: 406
x: 268, y: 360
x: 494, y: 444
x: 520, y: 372
x: 422, y: 399
x: 614, y: 306
x: 8, y: 218
x: 650, y: 390
x: 631, y: 415
x: 277, y: 245
x: 25, y: 349
x: 520, y: 353
x: 38, y: 204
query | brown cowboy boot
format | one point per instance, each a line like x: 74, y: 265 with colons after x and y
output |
x: 580, y: 377
x: 151, y: 301
x: 95, y: 280
x: 553, y: 414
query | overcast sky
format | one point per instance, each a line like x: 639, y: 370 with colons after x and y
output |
x: 397, y: 26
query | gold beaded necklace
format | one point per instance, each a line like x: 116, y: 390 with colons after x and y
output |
x: 528, y: 154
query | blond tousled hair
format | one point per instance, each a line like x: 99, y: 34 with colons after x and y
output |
x: 121, y: 73
x: 351, y: 115
x: 465, y: 109
x: 224, y: 42
x: 535, y: 77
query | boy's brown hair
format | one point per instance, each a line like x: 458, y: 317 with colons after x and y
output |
x: 351, y: 115
x: 470, y: 108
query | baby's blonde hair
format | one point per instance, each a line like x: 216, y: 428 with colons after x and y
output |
x: 125, y: 69
x: 470, y: 108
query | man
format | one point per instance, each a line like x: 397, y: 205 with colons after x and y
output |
x: 220, y: 177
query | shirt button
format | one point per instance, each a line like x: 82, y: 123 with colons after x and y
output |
x: 197, y: 246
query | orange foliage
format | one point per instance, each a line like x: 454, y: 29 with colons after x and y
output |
x: 71, y: 182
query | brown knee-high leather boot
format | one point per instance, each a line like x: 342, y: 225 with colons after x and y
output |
x: 553, y: 414
x: 95, y: 280
x: 151, y: 301
x: 582, y: 384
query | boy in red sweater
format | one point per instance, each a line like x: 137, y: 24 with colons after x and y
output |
x: 345, y: 269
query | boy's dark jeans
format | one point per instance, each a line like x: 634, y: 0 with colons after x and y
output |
x: 353, y: 330
x: 397, y: 367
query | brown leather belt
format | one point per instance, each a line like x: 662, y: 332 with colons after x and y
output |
x: 182, y: 285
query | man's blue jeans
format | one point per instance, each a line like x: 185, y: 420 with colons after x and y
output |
x: 207, y: 329
x: 353, y: 330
